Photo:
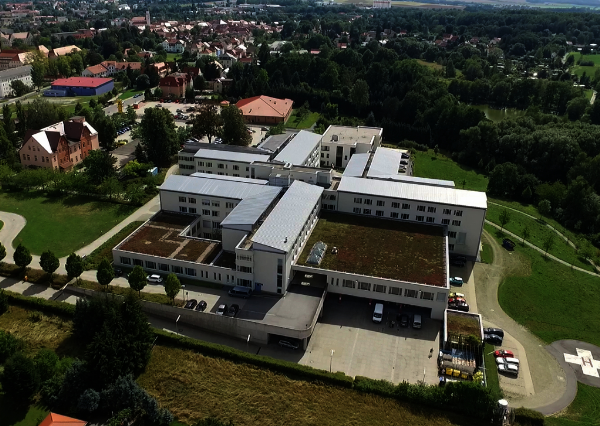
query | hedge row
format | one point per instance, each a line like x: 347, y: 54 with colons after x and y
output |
x: 527, y: 417
x: 288, y: 368
x: 39, y: 304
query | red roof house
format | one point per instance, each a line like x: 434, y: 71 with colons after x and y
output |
x: 54, y: 419
x: 263, y: 109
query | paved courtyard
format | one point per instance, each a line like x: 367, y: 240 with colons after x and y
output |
x: 363, y: 348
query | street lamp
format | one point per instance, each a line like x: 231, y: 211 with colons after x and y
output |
x: 176, y: 321
x: 331, y: 359
x: 183, y: 287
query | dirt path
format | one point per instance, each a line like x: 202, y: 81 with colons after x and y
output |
x: 549, y: 380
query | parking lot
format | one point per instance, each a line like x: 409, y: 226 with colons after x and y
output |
x: 346, y: 339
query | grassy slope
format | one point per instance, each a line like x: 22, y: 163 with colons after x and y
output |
x: 193, y: 386
x: 426, y: 164
x: 538, y: 233
x: 62, y: 224
x: 491, y: 371
x: 130, y: 93
x: 584, y: 410
x: 487, y: 255
x: 308, y: 121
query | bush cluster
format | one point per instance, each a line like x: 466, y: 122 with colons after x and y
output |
x: 526, y: 417
x: 39, y: 304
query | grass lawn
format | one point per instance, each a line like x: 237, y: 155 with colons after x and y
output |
x: 427, y: 165
x: 550, y: 299
x: 590, y: 71
x: 172, y: 57
x: 491, y: 372
x: 61, y: 224
x: 307, y: 122
x: 487, y: 255
x: 16, y: 414
x: 584, y: 410
x: 105, y: 250
x: 432, y: 65
x: 194, y: 387
x: 538, y: 233
x: 130, y: 93
x: 380, y: 248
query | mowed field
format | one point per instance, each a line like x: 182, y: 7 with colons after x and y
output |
x: 590, y: 71
x: 428, y: 165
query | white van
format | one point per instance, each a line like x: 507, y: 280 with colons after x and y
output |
x: 416, y: 321
x: 378, y: 313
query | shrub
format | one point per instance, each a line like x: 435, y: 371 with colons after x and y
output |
x: 20, y: 378
x: 88, y: 401
x: 48, y: 306
x: 46, y: 363
x: 9, y: 344
x: 290, y: 369
x: 527, y: 417
x: 3, y: 302
x: 35, y: 316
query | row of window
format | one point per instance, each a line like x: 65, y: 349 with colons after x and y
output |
x: 380, y: 288
x: 183, y: 209
x: 183, y: 158
x: 403, y: 216
x: 186, y: 167
x: 220, y: 165
x: 176, y: 269
x: 205, y: 202
x: 406, y: 206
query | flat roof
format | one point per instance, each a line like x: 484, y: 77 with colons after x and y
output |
x: 230, y: 178
x: 242, y: 157
x: 285, y: 222
x: 81, y: 81
x: 250, y: 209
x: 419, y: 180
x: 159, y: 237
x: 411, y: 191
x: 272, y: 143
x: 299, y: 148
x: 13, y: 72
x: 357, y: 165
x: 351, y: 135
x: 385, y: 162
x: 215, y: 187
x: 403, y: 251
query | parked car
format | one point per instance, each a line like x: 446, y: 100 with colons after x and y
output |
x: 459, y: 306
x: 508, y: 244
x: 201, y: 306
x: 218, y: 140
x: 158, y: 106
x: 502, y: 353
x: 492, y: 339
x: 264, y: 129
x: 191, y: 304
x: 508, y: 360
x: 288, y: 344
x: 456, y: 281
x: 404, y: 320
x: 154, y: 278
x: 233, y: 310
x: 496, y: 331
x: 457, y: 300
x: 457, y: 262
x: 222, y: 309
x: 118, y: 272
x: 179, y: 110
x: 451, y: 295
x: 508, y: 369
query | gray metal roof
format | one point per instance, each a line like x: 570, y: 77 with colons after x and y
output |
x: 357, y: 164
x: 230, y: 178
x: 272, y: 143
x: 16, y: 72
x: 420, y: 180
x: 299, y: 148
x: 283, y: 225
x: 242, y: 157
x: 408, y: 191
x: 385, y: 162
x: 250, y: 209
x: 214, y: 187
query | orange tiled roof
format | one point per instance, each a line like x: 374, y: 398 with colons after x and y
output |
x: 264, y: 106
x: 54, y: 419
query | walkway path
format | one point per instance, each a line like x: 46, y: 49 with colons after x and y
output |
x: 549, y: 380
x: 533, y: 246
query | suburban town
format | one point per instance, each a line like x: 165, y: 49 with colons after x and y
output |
x: 304, y: 212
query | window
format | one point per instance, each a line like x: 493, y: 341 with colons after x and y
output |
x: 245, y: 269
x: 216, y: 225
x: 206, y: 235
x: 431, y: 209
x: 192, y: 210
x: 125, y: 260
x: 220, y: 166
x: 35, y: 157
x: 138, y: 262
x: 425, y: 295
x: 451, y: 247
x: 358, y: 201
x: 419, y: 218
x: 150, y: 265
x: 279, y: 266
x: 192, y: 200
x: 380, y: 203
x: 348, y: 283
x: 447, y: 211
x: 430, y: 219
x: 183, y: 209
x: 452, y: 234
x: 368, y: 201
x: 364, y: 286
x: 182, y: 199
x: 445, y: 221
x: 379, y: 213
x: 163, y: 267
x: 206, y: 223
x: 236, y: 167
x: 458, y: 212
x: 410, y: 293
x: 395, y: 205
x: 205, y: 202
x: 404, y: 216
x: 366, y: 211
x: 405, y: 206
x: 206, y: 212
x: 378, y: 288
x: 43, y: 159
x: 420, y: 208
x: 394, y: 215
x: 215, y: 213
x: 247, y: 169
x: 229, y: 205
x: 356, y: 210
x: 395, y: 290
x: 208, y: 164
x: 176, y: 269
x: 216, y: 204
x: 456, y: 223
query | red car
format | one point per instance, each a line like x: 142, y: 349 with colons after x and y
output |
x: 503, y: 354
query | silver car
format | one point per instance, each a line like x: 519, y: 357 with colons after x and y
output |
x: 508, y: 369
x: 154, y: 279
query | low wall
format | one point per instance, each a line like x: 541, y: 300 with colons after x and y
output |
x: 235, y: 327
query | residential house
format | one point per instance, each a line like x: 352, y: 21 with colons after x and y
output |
x: 54, y: 419
x: 8, y: 76
x: 174, y: 46
x: 175, y: 85
x: 62, y: 51
x: 13, y: 59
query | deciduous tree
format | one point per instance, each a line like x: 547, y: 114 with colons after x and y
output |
x: 137, y: 279
x: 22, y: 257
x: 99, y: 166
x: 49, y: 262
x: 172, y: 286
x: 20, y: 378
x: 359, y: 94
x: 504, y: 218
x: 207, y: 122
x: 105, y: 273
x: 548, y: 243
x: 157, y: 132
x: 234, y: 127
